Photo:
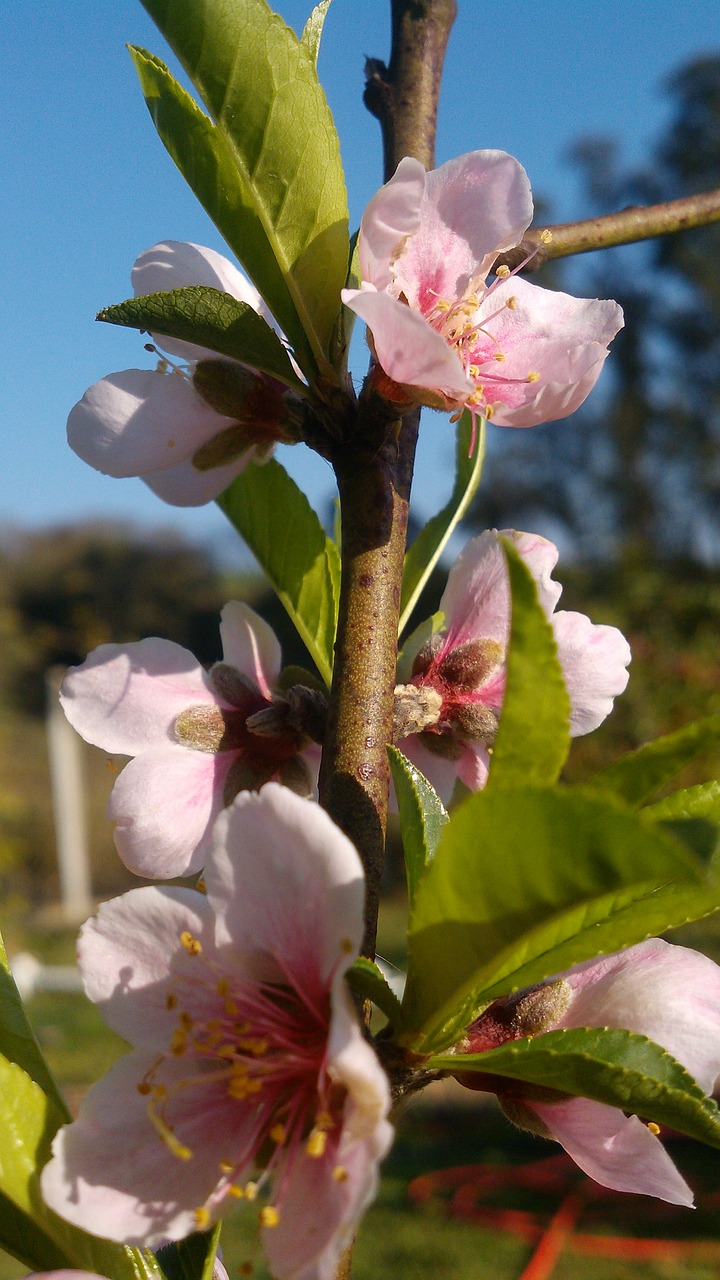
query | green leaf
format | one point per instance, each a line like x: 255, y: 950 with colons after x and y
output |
x: 526, y: 883
x: 368, y: 982
x: 193, y: 1258
x: 17, y: 1038
x: 22, y: 1238
x: 533, y: 739
x: 312, y: 31
x: 702, y: 801
x: 261, y: 88
x: 616, y: 1067
x: 303, y: 565
x: 422, y: 816
x: 28, y: 1123
x: 640, y: 774
x: 430, y: 543
x: 210, y: 319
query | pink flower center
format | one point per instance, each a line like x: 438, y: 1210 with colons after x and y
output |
x: 256, y: 1053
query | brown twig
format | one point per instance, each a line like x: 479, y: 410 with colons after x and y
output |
x: 639, y: 222
x: 374, y: 474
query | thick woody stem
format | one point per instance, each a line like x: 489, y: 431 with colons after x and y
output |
x: 640, y: 222
x: 374, y: 474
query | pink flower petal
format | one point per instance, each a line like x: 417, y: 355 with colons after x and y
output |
x: 174, y: 264
x: 125, y: 698
x: 617, y: 1152
x: 288, y: 855
x: 303, y: 1244
x: 476, y: 600
x: 668, y: 993
x: 594, y: 661
x: 474, y: 765
x: 139, y: 421
x: 185, y: 486
x: 250, y: 645
x: 475, y: 207
x: 164, y: 804
x: 407, y: 348
x: 392, y: 214
x: 111, y: 1172
x: 130, y: 949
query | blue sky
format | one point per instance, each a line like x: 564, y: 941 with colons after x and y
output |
x: 88, y: 186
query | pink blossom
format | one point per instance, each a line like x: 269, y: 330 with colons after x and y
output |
x: 249, y: 1071
x: 669, y: 994
x: 165, y: 424
x: 197, y: 737
x: 512, y: 351
x: 461, y: 668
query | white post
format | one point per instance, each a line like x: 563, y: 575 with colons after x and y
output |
x: 66, y: 783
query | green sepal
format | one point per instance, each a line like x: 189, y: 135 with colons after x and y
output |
x: 209, y: 318
x: 525, y: 884
x: 368, y: 982
x: 303, y: 565
x: 616, y: 1067
x: 422, y: 816
x: 290, y: 206
x: 430, y: 543
x: 533, y: 737
x: 640, y: 774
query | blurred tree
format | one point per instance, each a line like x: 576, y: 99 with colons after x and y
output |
x: 636, y: 472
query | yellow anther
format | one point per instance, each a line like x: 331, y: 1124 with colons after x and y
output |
x: 278, y: 1133
x: 192, y: 945
x: 324, y: 1120
x: 316, y: 1143
x: 256, y: 1045
x: 230, y: 1008
x: 546, y: 236
x: 654, y: 1128
x: 178, y: 1044
x: 346, y: 946
x: 226, y: 1167
x: 143, y: 1087
x: 503, y: 271
x: 202, y: 1218
x: 511, y: 303
x: 340, y: 1173
x: 201, y: 886
x: 222, y: 987
x: 251, y: 1190
x: 499, y: 356
x: 186, y: 1020
x: 159, y: 1091
x: 235, y: 1191
x: 269, y: 1216
x: 170, y: 1000
x: 442, y: 304
x: 489, y: 411
x: 533, y: 376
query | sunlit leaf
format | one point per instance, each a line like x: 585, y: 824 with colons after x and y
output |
x: 533, y: 739
x: 261, y: 89
x: 422, y: 816
x: 616, y: 1067
x: 430, y: 543
x: 28, y: 1123
x: 368, y: 982
x: 211, y: 319
x: 526, y: 883
x: 17, y: 1038
x: 313, y: 29
x: 284, y: 534
x: 637, y: 776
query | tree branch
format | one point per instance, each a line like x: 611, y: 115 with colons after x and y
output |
x: 639, y: 222
x: 374, y: 474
